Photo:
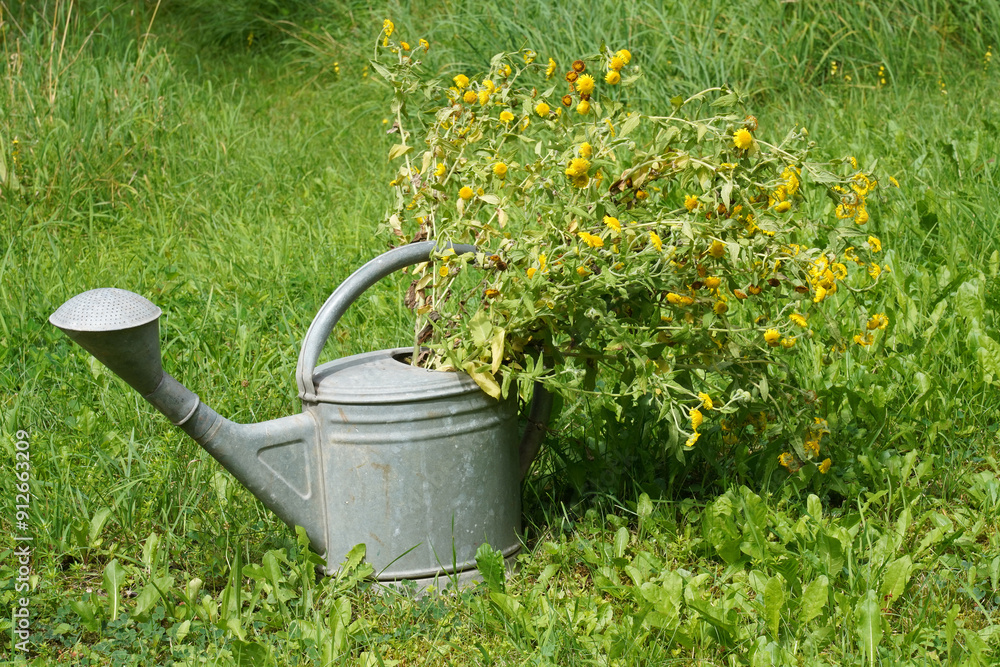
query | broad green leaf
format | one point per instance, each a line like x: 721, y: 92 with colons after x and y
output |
x: 97, y: 523
x: 897, y: 574
x: 868, y: 620
x: 182, y: 631
x: 149, y: 551
x: 340, y: 619
x: 399, y: 150
x: 774, y: 602
x: 491, y: 566
x: 630, y: 124
x: 147, y: 597
x: 814, y: 507
x: 968, y: 300
x: 481, y: 328
x: 814, y: 597
x: 621, y: 541
x: 644, y: 507
x: 114, y: 579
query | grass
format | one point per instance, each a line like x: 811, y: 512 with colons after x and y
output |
x: 235, y: 183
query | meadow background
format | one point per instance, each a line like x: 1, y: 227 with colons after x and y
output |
x: 229, y: 163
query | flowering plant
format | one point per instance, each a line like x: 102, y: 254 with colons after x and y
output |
x: 678, y: 260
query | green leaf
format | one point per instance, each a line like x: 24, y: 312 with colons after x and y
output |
x: 97, y: 523
x: 814, y: 507
x: 340, y: 619
x: 491, y: 566
x: 114, y: 579
x: 644, y: 507
x: 630, y: 124
x: 149, y: 551
x: 399, y: 150
x: 774, y: 601
x: 868, y: 619
x: 897, y: 575
x: 621, y: 541
x: 481, y: 328
x: 814, y: 597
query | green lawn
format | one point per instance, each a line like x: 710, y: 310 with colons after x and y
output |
x: 233, y: 170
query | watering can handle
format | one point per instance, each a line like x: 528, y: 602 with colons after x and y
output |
x: 353, y: 287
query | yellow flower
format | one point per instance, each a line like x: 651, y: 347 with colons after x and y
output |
x: 388, y: 27
x: 551, y: 69
x: 506, y: 116
x: 787, y: 342
x: 720, y: 308
x: 782, y: 207
x: 811, y: 447
x: 820, y: 294
x: 542, y: 109
x: 874, y: 244
x: 404, y: 45
x: 655, y: 240
x: 690, y: 202
x: 862, y: 216
x: 798, y: 319
x: 484, y: 97
x: 424, y: 43
x: 717, y: 249
x: 696, y: 419
x: 582, y: 271
x: 894, y: 182
x: 529, y: 56
x: 586, y: 150
x: 583, y: 108
x: 489, y: 85
x: 679, y: 299
x: 864, y: 341
x: 465, y: 193
x: 786, y: 459
x: 443, y: 271
x: 591, y: 240
x: 585, y: 84
x: 706, y: 400
x: 874, y: 271
x: 641, y: 194
x: 470, y: 97
x: 612, y: 77
x: 693, y: 439
x: 712, y: 282
x: 771, y: 337
x: 878, y: 321
x: 578, y: 166
x: 613, y: 223
x: 579, y: 66
x: 824, y: 467
x: 440, y: 170
x: 500, y: 170
x: 532, y: 271
x: 742, y: 139
x: 504, y: 71
x: 461, y: 81
x: 616, y: 64
x: 624, y: 55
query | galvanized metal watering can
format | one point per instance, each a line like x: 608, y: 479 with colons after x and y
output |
x: 421, y: 466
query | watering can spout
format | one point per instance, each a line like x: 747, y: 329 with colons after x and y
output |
x: 276, y: 460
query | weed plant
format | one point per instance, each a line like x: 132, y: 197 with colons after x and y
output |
x: 232, y: 184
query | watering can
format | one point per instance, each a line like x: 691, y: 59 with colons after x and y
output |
x: 421, y: 466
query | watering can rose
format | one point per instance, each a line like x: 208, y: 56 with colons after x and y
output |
x: 636, y: 257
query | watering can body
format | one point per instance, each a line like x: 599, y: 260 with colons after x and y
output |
x: 421, y: 466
